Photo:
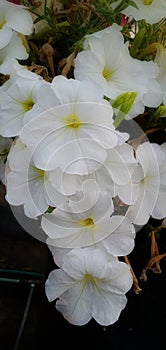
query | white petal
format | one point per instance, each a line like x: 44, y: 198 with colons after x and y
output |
x: 58, y: 254
x: 49, y: 131
x: 69, y: 230
x: 80, y: 157
x: 159, y: 211
x: 5, y: 36
x: 16, y: 48
x: 108, y: 310
x: 89, y: 197
x: 121, y: 240
x: 152, y: 13
x: 75, y: 305
x: 19, y: 19
x: 75, y: 90
x: 57, y: 283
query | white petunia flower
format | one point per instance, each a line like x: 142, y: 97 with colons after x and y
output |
x: 5, y: 145
x: 82, y: 222
x: 89, y: 285
x: 87, y: 220
x: 52, y: 94
x: 150, y: 184
x: 150, y: 10
x: 18, y: 101
x: 11, y: 52
x: 13, y: 18
x: 65, y: 129
x: 119, y: 242
x: 27, y: 185
x: 106, y: 61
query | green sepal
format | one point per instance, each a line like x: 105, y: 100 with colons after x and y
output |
x: 123, y: 102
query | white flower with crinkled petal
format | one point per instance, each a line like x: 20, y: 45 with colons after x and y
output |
x: 89, y: 285
x: 150, y: 10
x: 150, y: 184
x: 106, y: 60
x: 13, y: 18
x: 27, y: 185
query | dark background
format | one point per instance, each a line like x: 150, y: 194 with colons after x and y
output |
x: 142, y: 324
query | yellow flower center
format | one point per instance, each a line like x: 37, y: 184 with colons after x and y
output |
x: 87, y: 222
x: 37, y: 173
x: 89, y: 278
x: 106, y: 73
x: 28, y: 104
x: 2, y: 23
x: 41, y: 172
x: 147, y: 2
x: 73, y: 121
x: 145, y: 179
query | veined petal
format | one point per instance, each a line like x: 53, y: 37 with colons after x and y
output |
x: 59, y: 126
x: 111, y: 307
x: 73, y: 302
x: 99, y: 286
x: 57, y: 283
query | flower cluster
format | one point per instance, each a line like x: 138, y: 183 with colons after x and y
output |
x: 74, y: 156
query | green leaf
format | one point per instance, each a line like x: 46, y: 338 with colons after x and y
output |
x: 121, y: 5
x: 137, y: 42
